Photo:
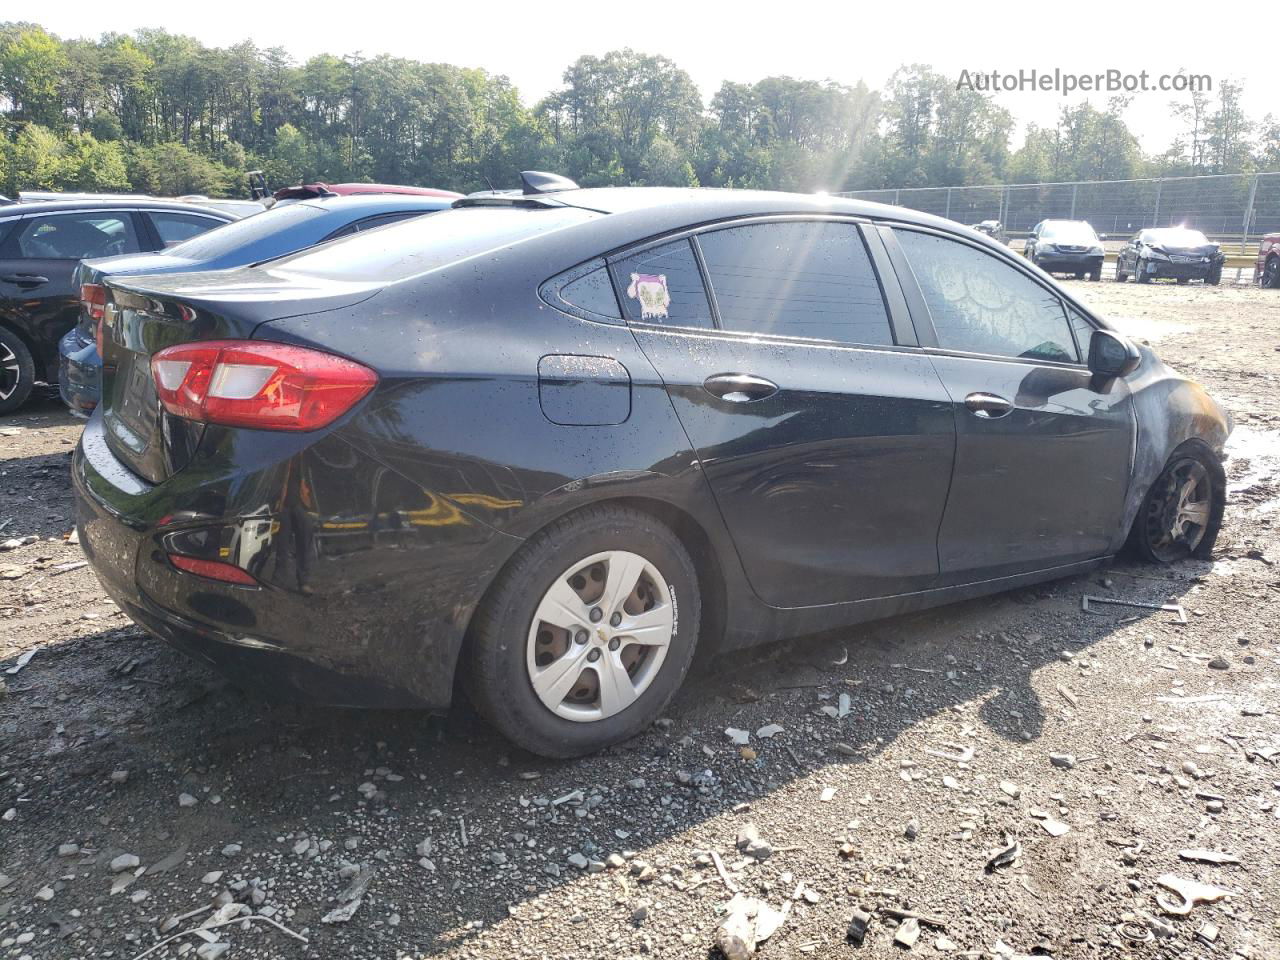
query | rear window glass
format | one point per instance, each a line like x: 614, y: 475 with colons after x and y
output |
x: 593, y: 292
x: 421, y: 244
x: 663, y: 285
x: 223, y: 240
x: 797, y: 279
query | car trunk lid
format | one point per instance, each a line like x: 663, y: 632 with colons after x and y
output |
x: 144, y: 315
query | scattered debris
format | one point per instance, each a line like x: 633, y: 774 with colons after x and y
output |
x: 1190, y: 892
x: 23, y: 659
x: 1208, y: 856
x: 955, y: 752
x: 1005, y: 856
x: 739, y: 737
x: 857, y: 931
x: 908, y: 933
x: 768, y: 731
x: 350, y: 898
x: 1175, y: 608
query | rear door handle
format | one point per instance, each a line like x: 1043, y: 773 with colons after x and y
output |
x: 24, y: 279
x: 989, y: 406
x: 739, y: 387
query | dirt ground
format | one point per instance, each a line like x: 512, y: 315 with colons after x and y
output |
x: 910, y: 752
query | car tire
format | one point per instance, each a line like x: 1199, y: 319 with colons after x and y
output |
x: 1182, y: 512
x: 1214, y: 277
x: 1079, y: 275
x: 1271, y: 273
x: 1096, y: 274
x: 1140, y: 271
x: 537, y: 681
x: 17, y: 371
x: 1121, y: 276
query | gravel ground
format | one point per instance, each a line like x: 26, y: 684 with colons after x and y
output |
x: 1092, y: 755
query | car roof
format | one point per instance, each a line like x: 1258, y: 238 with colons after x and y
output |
x: 34, y: 207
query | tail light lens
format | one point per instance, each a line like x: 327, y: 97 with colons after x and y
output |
x: 258, y: 384
x: 93, y: 297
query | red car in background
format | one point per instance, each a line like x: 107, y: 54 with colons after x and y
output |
x: 1266, y: 271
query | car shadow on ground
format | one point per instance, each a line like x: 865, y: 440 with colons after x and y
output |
x: 494, y: 818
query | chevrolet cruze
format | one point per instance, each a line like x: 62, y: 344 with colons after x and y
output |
x: 542, y: 445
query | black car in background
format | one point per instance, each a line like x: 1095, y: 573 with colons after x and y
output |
x: 1066, y: 246
x: 1170, y: 252
x: 41, y: 243
x: 545, y: 444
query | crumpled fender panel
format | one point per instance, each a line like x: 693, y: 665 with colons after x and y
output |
x: 1170, y: 410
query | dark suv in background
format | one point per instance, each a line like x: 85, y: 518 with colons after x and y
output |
x: 1066, y: 246
x: 40, y: 246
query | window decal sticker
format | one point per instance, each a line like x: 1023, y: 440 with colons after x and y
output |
x: 651, y: 290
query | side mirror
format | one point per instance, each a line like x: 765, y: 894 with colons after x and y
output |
x: 1111, y: 355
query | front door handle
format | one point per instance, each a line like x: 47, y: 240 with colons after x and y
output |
x: 24, y: 279
x: 989, y: 406
x: 739, y: 387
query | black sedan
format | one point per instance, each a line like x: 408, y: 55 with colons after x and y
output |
x: 1170, y: 252
x: 547, y: 444
x: 41, y: 244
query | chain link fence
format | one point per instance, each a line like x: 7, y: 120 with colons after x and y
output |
x: 1227, y: 207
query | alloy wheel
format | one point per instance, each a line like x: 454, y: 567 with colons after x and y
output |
x: 600, y: 635
x: 1179, y: 510
x: 10, y: 372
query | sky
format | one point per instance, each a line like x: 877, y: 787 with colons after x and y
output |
x: 845, y: 42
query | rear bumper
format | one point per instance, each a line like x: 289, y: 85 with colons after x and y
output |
x: 349, y: 620
x: 79, y: 372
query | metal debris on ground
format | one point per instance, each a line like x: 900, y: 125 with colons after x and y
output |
x: 1174, y: 608
x: 1190, y: 892
x: 1208, y: 856
x: 22, y: 661
x: 1005, y: 856
x: 350, y: 898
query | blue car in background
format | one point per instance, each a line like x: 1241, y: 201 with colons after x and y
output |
x: 285, y: 228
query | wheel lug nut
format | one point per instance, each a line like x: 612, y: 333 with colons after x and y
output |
x: 596, y: 614
x: 615, y: 643
x: 615, y: 619
x: 594, y: 655
x: 580, y: 637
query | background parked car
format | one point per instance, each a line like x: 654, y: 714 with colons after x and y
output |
x: 542, y: 440
x: 308, y: 191
x: 272, y: 233
x: 1266, y: 271
x: 1170, y: 252
x: 993, y: 229
x: 1066, y: 246
x: 41, y: 244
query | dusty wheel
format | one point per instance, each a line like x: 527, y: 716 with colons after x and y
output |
x: 587, y: 634
x: 17, y: 372
x: 1182, y: 511
x: 1096, y: 274
x: 1121, y: 276
x: 1139, y: 271
x: 1215, y: 277
x: 1271, y: 274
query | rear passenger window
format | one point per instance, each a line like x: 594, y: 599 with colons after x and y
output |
x: 177, y: 227
x: 809, y: 279
x: 663, y: 285
x: 592, y: 292
x: 77, y: 236
x: 980, y: 305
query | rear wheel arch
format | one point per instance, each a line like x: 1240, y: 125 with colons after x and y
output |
x: 693, y: 537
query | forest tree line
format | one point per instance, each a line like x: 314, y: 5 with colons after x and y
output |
x: 161, y: 113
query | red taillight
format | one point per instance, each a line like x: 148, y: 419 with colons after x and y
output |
x: 251, y: 383
x: 94, y: 299
x: 213, y: 569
